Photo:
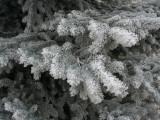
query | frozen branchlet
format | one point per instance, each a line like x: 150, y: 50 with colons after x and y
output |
x: 113, y: 84
x: 123, y: 37
x: 69, y: 28
x: 98, y: 33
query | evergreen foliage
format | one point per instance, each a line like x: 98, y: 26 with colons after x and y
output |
x: 80, y: 60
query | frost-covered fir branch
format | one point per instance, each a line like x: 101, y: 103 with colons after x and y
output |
x: 100, y: 63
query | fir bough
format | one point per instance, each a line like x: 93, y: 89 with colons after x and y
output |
x: 95, y: 60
